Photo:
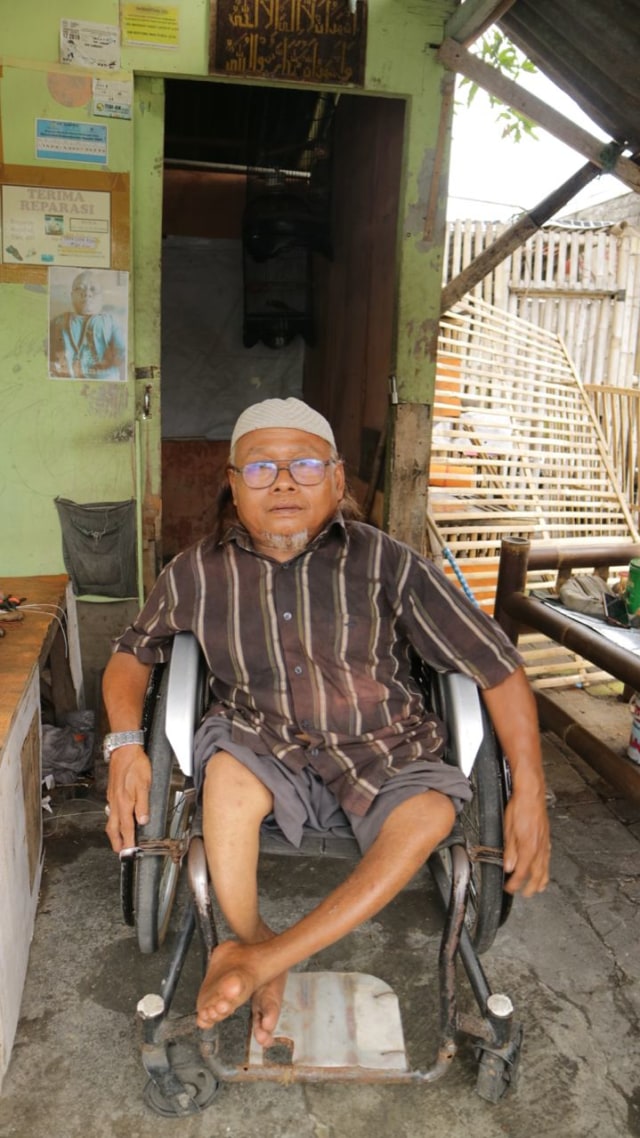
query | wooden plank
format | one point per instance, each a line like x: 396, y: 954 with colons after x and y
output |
x: 452, y: 55
x: 27, y: 643
x: 410, y: 455
x: 32, y: 796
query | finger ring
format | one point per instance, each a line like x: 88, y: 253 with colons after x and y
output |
x: 107, y: 810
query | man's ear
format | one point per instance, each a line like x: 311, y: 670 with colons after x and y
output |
x: 340, y: 479
x: 231, y: 479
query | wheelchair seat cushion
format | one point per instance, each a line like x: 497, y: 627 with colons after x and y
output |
x: 302, y: 802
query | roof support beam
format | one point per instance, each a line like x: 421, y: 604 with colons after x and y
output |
x: 516, y: 235
x: 473, y: 18
x: 456, y: 58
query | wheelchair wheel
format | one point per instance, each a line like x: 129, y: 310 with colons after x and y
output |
x: 482, y: 822
x: 156, y: 877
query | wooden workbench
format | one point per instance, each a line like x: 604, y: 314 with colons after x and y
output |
x: 35, y: 657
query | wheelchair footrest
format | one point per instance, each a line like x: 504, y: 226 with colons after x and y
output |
x: 335, y: 1019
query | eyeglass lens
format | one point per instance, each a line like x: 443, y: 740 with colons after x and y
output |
x: 304, y: 471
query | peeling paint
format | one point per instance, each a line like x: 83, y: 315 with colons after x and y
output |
x: 425, y: 342
x: 106, y: 400
x: 123, y: 434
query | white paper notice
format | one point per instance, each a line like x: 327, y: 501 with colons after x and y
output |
x: 112, y: 98
x: 90, y: 45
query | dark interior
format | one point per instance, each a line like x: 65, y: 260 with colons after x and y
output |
x: 291, y: 173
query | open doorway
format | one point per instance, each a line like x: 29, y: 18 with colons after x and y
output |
x: 278, y: 276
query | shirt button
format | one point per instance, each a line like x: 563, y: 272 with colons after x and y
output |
x: 298, y: 670
x: 286, y: 616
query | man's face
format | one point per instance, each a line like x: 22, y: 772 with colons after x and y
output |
x: 284, y: 517
x: 86, y: 295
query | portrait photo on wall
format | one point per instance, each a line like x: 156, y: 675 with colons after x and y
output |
x: 88, y: 318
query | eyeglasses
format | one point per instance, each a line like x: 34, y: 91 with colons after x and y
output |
x: 304, y: 471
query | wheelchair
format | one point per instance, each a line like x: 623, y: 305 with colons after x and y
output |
x: 355, y: 1031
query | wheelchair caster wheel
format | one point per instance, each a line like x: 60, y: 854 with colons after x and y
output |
x: 200, y: 1085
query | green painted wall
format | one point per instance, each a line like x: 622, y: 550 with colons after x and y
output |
x: 78, y: 439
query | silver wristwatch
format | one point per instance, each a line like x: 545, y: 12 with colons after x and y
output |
x: 120, y: 739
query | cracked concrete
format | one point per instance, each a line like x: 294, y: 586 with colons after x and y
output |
x: 569, y: 959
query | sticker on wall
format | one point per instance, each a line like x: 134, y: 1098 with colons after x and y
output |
x: 150, y: 26
x: 88, y: 319
x: 112, y: 98
x: 90, y: 45
x: 65, y: 141
x: 69, y: 88
x: 47, y: 225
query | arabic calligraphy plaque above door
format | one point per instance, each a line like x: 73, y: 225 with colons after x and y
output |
x: 308, y: 41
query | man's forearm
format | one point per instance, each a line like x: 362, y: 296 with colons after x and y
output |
x: 123, y: 688
x: 512, y: 707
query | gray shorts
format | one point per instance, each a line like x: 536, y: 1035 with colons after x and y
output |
x: 301, y: 801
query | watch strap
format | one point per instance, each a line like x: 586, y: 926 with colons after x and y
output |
x: 120, y: 739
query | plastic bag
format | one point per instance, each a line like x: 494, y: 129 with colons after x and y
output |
x: 585, y: 593
x: 67, y: 751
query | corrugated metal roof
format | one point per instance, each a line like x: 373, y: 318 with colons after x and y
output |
x: 591, y: 50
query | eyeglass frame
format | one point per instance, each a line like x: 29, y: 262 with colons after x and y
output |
x: 284, y: 466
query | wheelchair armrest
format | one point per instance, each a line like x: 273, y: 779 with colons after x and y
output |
x: 186, y: 688
x: 463, y: 712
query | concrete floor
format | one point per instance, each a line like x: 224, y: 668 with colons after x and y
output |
x: 570, y: 960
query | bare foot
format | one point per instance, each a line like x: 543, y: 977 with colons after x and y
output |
x: 265, y: 1009
x: 235, y: 973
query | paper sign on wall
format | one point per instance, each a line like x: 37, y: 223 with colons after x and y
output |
x: 88, y: 315
x: 150, y: 26
x: 112, y: 98
x: 45, y: 225
x: 90, y: 45
x: 66, y: 141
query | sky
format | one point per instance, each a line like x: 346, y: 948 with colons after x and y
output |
x: 494, y: 179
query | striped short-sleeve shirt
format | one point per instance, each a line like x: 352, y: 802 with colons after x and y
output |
x: 310, y: 659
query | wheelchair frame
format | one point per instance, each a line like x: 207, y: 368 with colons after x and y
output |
x: 466, y: 868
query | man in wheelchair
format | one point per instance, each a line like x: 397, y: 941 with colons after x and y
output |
x: 308, y: 620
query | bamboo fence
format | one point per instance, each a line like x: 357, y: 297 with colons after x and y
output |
x: 517, y: 449
x: 582, y: 283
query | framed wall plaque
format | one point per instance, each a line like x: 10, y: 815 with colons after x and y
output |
x: 309, y: 41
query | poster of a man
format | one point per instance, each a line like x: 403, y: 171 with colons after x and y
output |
x: 88, y: 336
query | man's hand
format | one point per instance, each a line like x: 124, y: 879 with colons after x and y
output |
x: 527, y: 845
x: 127, y: 795
x: 512, y: 708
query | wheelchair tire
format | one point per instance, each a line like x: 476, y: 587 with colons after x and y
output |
x: 156, y: 877
x: 482, y: 823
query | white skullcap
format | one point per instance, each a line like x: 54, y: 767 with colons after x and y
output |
x: 282, y: 413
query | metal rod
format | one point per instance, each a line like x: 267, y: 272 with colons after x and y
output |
x: 233, y: 168
x: 199, y: 883
x: 475, y: 973
x: 183, y: 940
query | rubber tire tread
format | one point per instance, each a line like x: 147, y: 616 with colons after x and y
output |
x: 486, y: 829
x: 149, y: 870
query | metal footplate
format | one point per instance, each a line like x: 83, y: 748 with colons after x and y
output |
x: 332, y: 1020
